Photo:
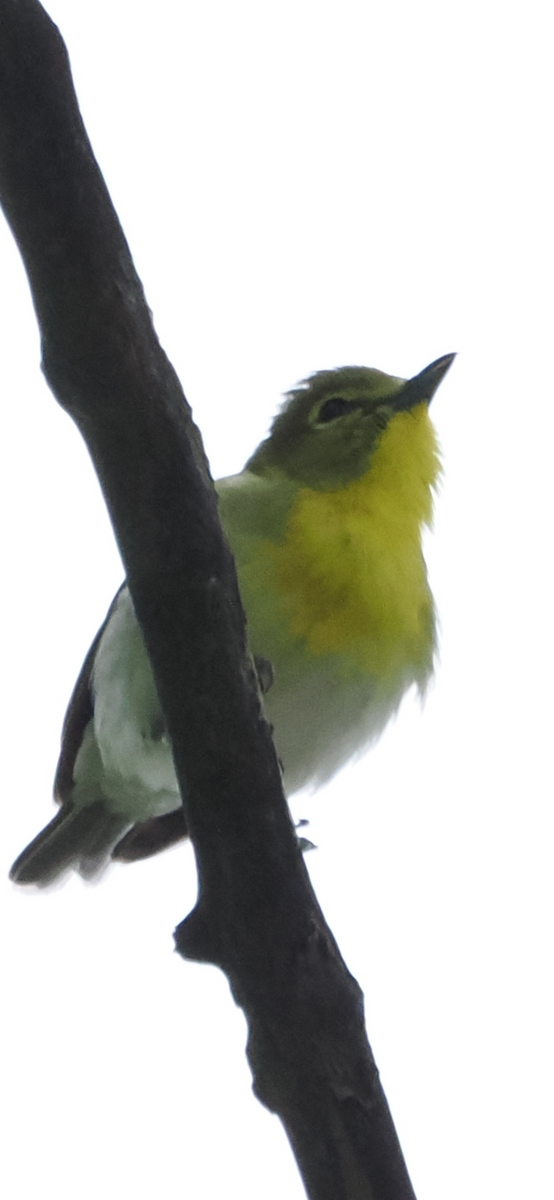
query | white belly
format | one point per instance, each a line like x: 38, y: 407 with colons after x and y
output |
x: 319, y: 722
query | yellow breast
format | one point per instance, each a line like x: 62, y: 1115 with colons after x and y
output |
x: 350, y: 574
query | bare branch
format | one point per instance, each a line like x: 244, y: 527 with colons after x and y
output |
x: 256, y: 916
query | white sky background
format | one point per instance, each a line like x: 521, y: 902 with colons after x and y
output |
x: 305, y: 185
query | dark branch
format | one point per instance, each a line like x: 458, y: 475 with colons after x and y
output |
x: 256, y: 916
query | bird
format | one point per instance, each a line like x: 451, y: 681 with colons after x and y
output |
x: 325, y: 522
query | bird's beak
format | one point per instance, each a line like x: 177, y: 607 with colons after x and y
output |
x: 423, y: 386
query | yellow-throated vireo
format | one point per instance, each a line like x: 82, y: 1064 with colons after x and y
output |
x: 325, y: 522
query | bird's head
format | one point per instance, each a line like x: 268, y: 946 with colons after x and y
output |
x: 331, y: 424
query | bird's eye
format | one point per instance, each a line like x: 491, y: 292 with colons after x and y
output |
x: 337, y: 406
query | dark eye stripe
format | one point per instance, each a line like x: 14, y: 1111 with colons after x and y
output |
x: 337, y: 406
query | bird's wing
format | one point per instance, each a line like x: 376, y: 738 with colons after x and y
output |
x: 79, y: 713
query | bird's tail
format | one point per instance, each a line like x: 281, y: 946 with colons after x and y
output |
x: 151, y: 836
x: 80, y: 838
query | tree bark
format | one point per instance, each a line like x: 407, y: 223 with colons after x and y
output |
x: 256, y: 916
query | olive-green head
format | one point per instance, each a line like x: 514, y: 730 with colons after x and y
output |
x: 330, y: 424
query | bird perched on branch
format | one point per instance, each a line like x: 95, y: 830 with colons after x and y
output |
x: 325, y: 522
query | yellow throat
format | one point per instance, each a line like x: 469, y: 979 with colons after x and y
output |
x: 350, y: 572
